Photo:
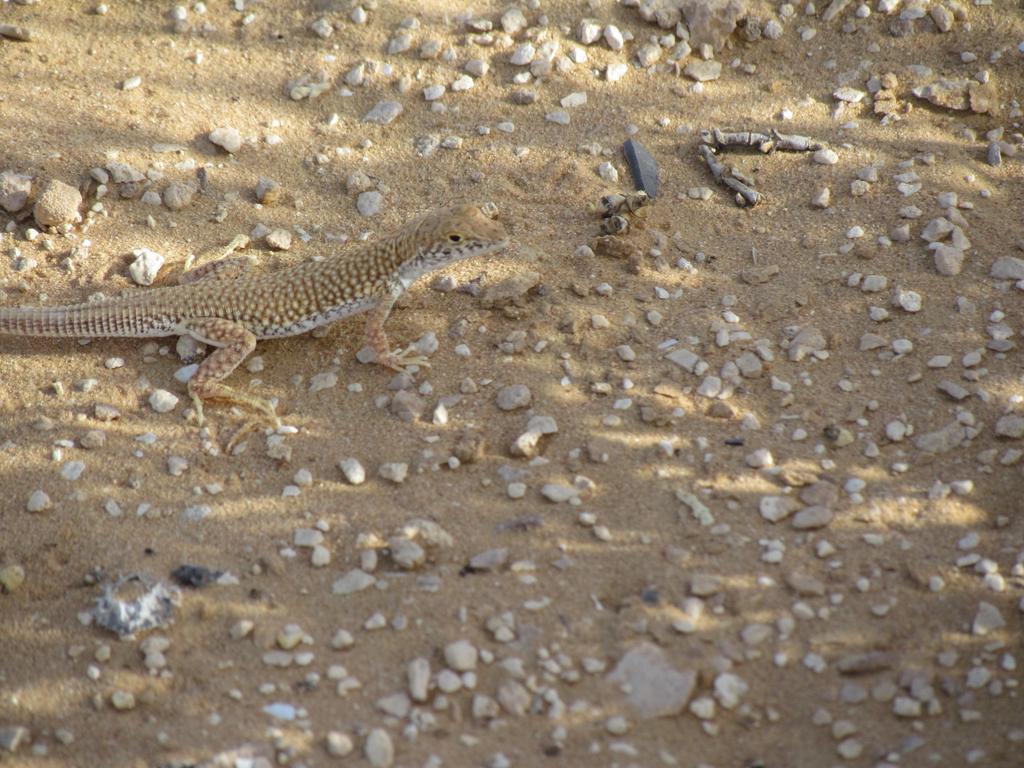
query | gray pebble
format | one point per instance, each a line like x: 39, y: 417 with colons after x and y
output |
x: 338, y: 744
x: 1007, y: 268
x: 393, y: 471
x: 953, y: 389
x: 1011, y: 425
x: 12, y: 737
x: 810, y: 518
x: 72, y: 470
x: 379, y: 750
x: 825, y: 157
x: 355, y: 580
x: 368, y: 203
x: 383, y: 112
x: 14, y: 190
x: 987, y: 619
x: 38, y: 501
x: 949, y: 261
x: 179, y: 195
x: 489, y: 560
x: 514, y: 396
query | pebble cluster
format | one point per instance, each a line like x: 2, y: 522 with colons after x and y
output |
x: 798, y: 541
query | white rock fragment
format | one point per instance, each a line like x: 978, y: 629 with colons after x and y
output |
x: 477, y: 68
x: 322, y: 28
x: 615, y: 71
x: 613, y: 37
x: 513, y: 21
x: 700, y: 511
x: 461, y: 655
x: 703, y: 71
x: 575, y: 99
x: 730, y: 689
x: 418, y: 675
x: 776, y: 508
x: 353, y: 470
x: 146, y: 265
x: 908, y: 301
x: 608, y: 172
x: 849, y: 95
x: 433, y: 93
x: 648, y: 54
x: 228, y: 139
x: 557, y: 493
x: 588, y: 32
x: 523, y: 54
x: 162, y: 401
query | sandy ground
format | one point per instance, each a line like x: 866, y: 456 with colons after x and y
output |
x: 770, y: 618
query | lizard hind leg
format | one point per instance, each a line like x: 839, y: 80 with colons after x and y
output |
x: 234, y: 342
x: 224, y: 266
x: 225, y: 269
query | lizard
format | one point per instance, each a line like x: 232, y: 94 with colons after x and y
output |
x: 224, y: 305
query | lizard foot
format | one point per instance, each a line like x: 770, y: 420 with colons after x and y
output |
x: 226, y: 395
x: 399, y: 361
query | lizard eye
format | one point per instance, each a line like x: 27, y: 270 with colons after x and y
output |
x: 455, y: 238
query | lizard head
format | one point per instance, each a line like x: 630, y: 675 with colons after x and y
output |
x: 458, y: 233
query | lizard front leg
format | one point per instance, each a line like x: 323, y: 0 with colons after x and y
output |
x: 377, y: 338
x: 234, y: 342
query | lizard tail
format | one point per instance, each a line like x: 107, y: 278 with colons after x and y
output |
x: 94, y: 320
